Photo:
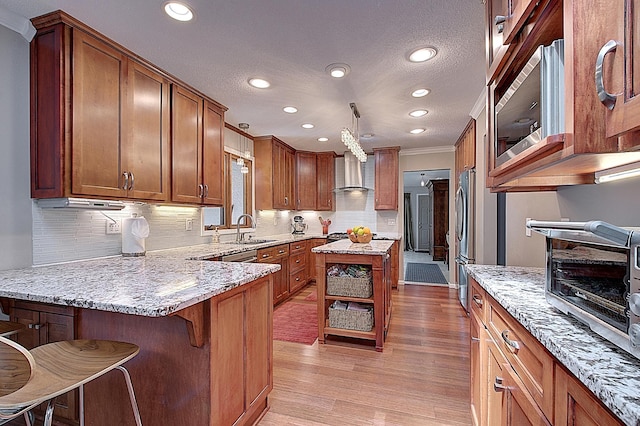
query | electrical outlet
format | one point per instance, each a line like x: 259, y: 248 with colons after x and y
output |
x: 391, y: 222
x: 527, y: 231
x: 113, y: 227
x: 188, y: 225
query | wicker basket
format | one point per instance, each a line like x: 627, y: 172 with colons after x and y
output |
x: 349, y: 286
x: 351, y: 320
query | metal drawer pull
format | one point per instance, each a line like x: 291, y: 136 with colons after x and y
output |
x: 36, y: 326
x: 605, y: 97
x: 126, y: 180
x: 281, y: 251
x: 298, y: 261
x: 513, y: 345
x: 297, y: 278
x: 200, y: 190
x: 498, y: 386
x: 477, y: 300
x: 265, y: 256
x: 475, y: 339
x: 206, y: 191
x: 133, y: 181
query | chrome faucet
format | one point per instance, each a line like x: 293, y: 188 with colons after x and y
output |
x: 239, y: 236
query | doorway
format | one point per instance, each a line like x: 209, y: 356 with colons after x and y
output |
x: 426, y: 220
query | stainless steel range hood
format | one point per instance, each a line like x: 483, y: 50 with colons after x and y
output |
x: 353, y: 176
x: 79, y: 203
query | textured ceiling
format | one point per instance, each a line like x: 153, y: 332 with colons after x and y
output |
x: 290, y: 43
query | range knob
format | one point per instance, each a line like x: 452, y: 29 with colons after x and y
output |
x: 634, y: 303
x: 634, y: 334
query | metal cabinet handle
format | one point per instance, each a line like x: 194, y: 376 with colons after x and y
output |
x: 605, y: 97
x: 281, y: 251
x: 133, y: 180
x: 298, y: 261
x: 297, y: 278
x: 206, y: 191
x: 499, y: 21
x: 264, y: 256
x: 475, y: 339
x: 513, y: 345
x: 200, y: 190
x: 126, y: 180
x: 498, y: 386
x: 286, y: 201
x: 477, y: 300
x: 36, y: 326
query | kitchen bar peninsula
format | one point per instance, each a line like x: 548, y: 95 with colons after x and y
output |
x: 375, y: 255
x: 204, y: 330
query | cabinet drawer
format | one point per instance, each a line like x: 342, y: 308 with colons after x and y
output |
x: 297, y: 247
x: 529, y: 359
x: 478, y: 300
x: 297, y: 280
x: 265, y: 254
x: 297, y: 262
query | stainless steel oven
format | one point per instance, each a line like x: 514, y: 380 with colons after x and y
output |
x: 593, y: 274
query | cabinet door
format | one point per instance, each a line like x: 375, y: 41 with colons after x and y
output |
x: 386, y: 179
x: 99, y: 74
x: 577, y: 406
x: 326, y: 176
x: 29, y: 337
x: 477, y: 379
x: 494, y: 33
x: 496, y: 398
x: 306, y: 186
x: 279, y: 175
x: 213, y: 155
x: 518, y: 11
x: 259, y: 338
x: 623, y: 79
x: 521, y: 409
x: 146, y: 147
x: 281, y: 281
x: 186, y: 144
x: 289, y: 177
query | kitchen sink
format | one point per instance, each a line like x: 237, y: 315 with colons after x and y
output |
x: 250, y: 241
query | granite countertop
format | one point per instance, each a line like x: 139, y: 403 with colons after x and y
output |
x: 610, y: 373
x: 375, y: 247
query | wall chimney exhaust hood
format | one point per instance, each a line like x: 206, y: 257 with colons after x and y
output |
x: 353, y: 180
x: 79, y: 203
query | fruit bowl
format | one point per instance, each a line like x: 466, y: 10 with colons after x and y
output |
x: 353, y: 238
x: 364, y: 238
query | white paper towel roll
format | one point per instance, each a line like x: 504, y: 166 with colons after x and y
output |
x: 135, y: 230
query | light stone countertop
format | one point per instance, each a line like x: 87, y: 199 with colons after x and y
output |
x: 375, y: 247
x: 609, y: 372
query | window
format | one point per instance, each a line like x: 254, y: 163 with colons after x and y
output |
x: 237, y: 198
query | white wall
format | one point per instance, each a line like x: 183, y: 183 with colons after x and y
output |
x: 486, y: 230
x: 15, y: 208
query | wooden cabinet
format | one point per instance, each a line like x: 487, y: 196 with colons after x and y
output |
x: 305, y: 182
x: 594, y: 138
x: 242, y: 345
x: 326, y: 178
x: 274, y: 165
x: 620, y: 81
x: 386, y: 178
x: 197, y: 149
x: 278, y: 255
x: 395, y: 264
x: 576, y: 405
x: 311, y: 257
x: 466, y: 149
x: 297, y: 266
x: 439, y: 225
x: 100, y: 119
x: 47, y: 324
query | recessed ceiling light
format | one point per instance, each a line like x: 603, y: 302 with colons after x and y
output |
x: 423, y: 54
x: 420, y: 93
x: 259, y: 83
x: 290, y: 109
x: 308, y: 126
x: 338, y: 70
x: 417, y: 131
x: 418, y: 113
x: 323, y: 139
x: 366, y: 135
x: 178, y: 11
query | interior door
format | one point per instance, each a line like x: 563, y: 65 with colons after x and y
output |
x: 424, y: 222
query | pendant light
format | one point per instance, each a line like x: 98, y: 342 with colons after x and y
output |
x: 244, y: 149
x: 422, y: 182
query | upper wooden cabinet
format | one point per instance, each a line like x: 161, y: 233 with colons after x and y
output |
x: 466, y: 149
x: 100, y: 122
x: 306, y: 177
x: 591, y: 141
x: 198, y: 151
x: 386, y: 171
x: 275, y: 171
x: 326, y: 178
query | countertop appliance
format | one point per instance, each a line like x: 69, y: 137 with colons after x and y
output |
x: 249, y: 256
x: 593, y: 274
x: 465, y: 231
x: 298, y: 225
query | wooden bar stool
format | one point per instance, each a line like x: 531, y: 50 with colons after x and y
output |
x: 7, y: 328
x: 29, y: 378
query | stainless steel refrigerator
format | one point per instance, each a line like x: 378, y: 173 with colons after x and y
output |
x: 465, y: 231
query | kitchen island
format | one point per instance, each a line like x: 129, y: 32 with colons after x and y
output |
x: 204, y: 331
x: 374, y: 255
x: 608, y: 372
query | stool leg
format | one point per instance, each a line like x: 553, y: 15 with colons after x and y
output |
x: 28, y: 418
x: 132, y: 395
x: 81, y: 403
x: 48, y: 415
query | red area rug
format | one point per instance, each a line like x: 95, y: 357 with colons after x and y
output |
x: 313, y: 297
x: 296, y: 322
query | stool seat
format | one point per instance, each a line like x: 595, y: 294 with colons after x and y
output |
x: 7, y: 328
x: 56, y: 368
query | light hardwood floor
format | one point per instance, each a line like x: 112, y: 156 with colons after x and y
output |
x: 421, y: 377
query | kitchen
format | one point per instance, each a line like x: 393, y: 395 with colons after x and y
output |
x: 27, y: 237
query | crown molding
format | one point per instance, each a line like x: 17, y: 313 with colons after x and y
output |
x: 431, y: 150
x: 480, y: 104
x: 17, y: 23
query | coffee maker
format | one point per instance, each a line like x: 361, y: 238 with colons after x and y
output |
x: 298, y: 225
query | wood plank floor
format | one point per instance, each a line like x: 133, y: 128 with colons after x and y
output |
x: 421, y: 377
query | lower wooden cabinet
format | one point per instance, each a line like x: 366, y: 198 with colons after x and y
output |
x: 311, y: 259
x: 297, y: 266
x: 277, y: 255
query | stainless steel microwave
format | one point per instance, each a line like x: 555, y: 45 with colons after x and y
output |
x: 532, y: 107
x: 593, y: 274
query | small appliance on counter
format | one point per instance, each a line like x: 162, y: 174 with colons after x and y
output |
x: 593, y: 275
x: 298, y: 225
x: 135, y: 230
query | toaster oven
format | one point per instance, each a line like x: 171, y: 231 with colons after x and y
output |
x: 593, y: 274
